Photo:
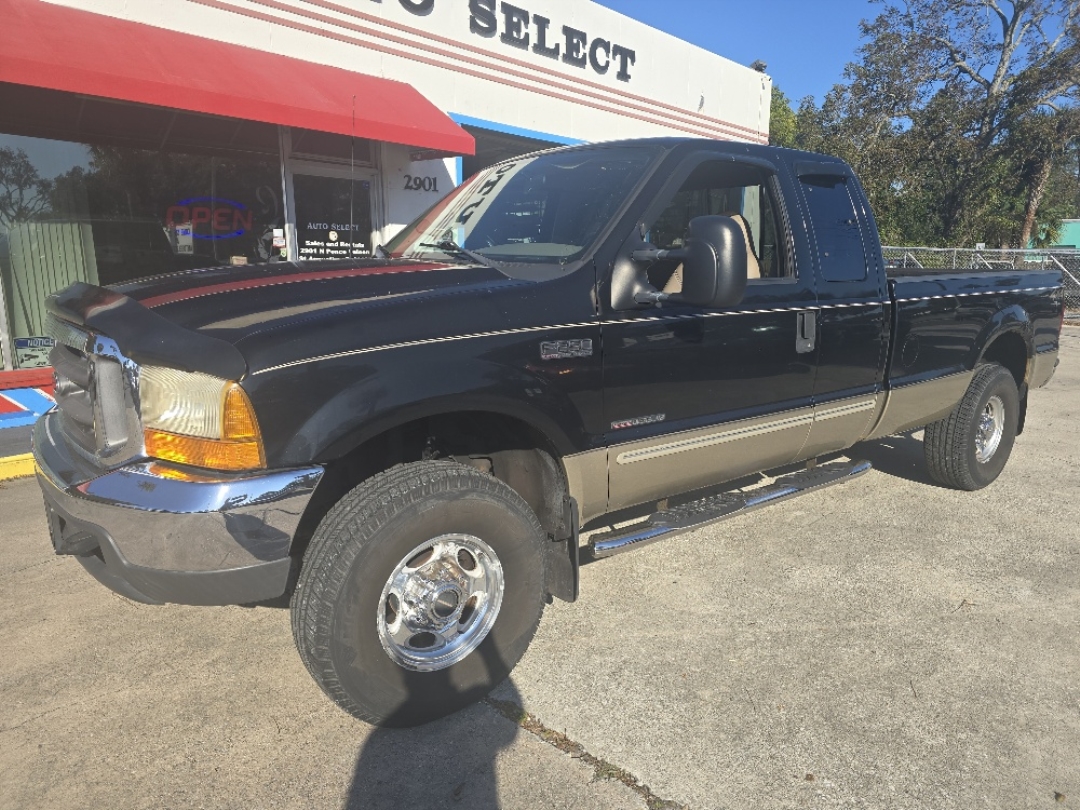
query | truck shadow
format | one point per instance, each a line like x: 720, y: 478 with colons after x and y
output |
x: 445, y: 764
x: 900, y: 456
x: 448, y: 763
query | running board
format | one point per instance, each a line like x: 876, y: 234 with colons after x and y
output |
x: 697, y: 514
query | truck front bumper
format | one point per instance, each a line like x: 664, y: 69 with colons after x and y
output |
x: 212, y: 539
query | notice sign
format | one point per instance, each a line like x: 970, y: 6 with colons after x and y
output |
x: 33, y: 352
x: 330, y: 240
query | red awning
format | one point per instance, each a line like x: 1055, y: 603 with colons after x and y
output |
x: 43, y: 45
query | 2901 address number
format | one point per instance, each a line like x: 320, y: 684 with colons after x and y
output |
x: 421, y: 183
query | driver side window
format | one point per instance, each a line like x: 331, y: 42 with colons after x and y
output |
x: 728, y: 189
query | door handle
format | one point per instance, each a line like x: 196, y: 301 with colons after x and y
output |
x: 805, y: 332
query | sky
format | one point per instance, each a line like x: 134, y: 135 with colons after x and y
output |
x: 805, y: 43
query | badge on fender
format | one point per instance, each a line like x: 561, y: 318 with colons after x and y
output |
x: 560, y: 349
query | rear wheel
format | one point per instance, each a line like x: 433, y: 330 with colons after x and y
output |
x: 421, y: 590
x: 969, y: 447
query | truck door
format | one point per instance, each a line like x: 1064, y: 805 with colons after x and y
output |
x: 695, y: 396
x: 852, y: 318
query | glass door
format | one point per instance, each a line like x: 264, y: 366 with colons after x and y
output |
x: 332, y: 216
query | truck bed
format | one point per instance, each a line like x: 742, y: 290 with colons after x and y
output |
x: 941, y: 318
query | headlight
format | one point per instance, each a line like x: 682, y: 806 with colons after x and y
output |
x: 200, y: 420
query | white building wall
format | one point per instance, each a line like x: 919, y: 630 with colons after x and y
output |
x: 668, y: 87
x: 672, y: 87
x: 403, y: 205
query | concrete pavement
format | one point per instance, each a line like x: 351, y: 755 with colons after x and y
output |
x: 884, y: 644
x: 109, y: 703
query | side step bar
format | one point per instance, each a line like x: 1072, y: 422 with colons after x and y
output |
x: 696, y: 514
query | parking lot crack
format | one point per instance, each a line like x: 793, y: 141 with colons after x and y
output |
x: 83, y: 701
x: 38, y: 564
x: 602, y: 769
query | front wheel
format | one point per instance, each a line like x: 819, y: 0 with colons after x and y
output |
x: 969, y: 447
x: 420, y: 591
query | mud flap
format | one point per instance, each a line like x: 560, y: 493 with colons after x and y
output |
x: 562, y: 564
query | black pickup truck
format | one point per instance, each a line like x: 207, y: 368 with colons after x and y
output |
x: 408, y: 445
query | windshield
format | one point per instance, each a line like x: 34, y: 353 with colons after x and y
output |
x: 546, y: 208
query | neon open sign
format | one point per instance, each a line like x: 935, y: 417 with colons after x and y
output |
x: 220, y: 218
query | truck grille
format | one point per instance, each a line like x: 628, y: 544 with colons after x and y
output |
x: 96, y: 394
x: 72, y: 376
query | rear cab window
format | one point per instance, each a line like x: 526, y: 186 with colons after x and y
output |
x: 841, y: 253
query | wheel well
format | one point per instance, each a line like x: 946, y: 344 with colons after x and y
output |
x: 511, y: 450
x: 1010, y: 351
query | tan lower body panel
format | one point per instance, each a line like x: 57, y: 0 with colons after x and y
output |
x: 1042, y: 368
x: 838, y: 425
x: 920, y: 404
x: 587, y: 479
x: 605, y: 480
x: 660, y: 466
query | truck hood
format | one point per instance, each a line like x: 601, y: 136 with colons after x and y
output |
x: 201, y: 320
x: 232, y: 303
x: 232, y: 321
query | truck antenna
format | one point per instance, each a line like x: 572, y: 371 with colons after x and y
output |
x: 352, y: 176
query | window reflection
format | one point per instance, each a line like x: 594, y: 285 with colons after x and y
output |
x: 105, y: 214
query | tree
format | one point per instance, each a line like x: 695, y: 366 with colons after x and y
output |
x: 1061, y: 197
x: 24, y: 194
x: 1042, y: 140
x: 963, y: 106
x: 782, y: 122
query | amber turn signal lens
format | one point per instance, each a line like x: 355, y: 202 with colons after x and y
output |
x: 208, y: 453
x: 239, y: 423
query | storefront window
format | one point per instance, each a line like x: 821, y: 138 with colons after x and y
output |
x: 105, y: 214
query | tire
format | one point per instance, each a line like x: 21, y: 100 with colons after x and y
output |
x: 407, y: 551
x: 969, y: 447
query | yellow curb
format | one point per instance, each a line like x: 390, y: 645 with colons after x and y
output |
x: 16, y: 466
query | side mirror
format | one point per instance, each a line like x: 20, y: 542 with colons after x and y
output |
x: 714, y: 265
x: 714, y: 269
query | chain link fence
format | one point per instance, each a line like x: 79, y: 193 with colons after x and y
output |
x: 1067, y: 261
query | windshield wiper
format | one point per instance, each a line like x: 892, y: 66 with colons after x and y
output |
x: 450, y: 246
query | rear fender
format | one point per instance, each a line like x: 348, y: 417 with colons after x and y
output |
x: 1010, y: 324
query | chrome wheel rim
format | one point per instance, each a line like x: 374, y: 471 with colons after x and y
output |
x: 440, y: 602
x: 991, y: 428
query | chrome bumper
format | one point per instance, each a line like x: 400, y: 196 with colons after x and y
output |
x: 223, y: 539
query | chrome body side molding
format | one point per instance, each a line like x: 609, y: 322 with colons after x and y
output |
x: 716, y: 437
x: 653, y: 468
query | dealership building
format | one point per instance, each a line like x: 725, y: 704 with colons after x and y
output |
x: 147, y: 137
